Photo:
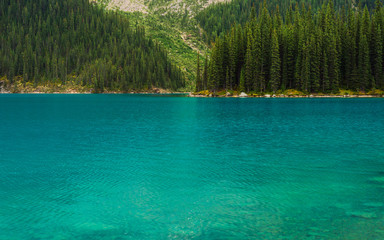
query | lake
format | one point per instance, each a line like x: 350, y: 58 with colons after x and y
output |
x: 173, y: 167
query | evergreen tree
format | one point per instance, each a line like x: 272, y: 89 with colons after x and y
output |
x: 314, y: 64
x: 199, y: 84
x: 364, y: 63
x: 205, y: 74
x: 233, y: 58
x: 249, y: 67
x: 306, y: 69
x: 242, y: 81
x: 379, y: 60
x: 258, y: 60
x: 275, y: 66
x: 325, y: 72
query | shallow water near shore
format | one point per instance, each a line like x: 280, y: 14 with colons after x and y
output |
x: 164, y: 167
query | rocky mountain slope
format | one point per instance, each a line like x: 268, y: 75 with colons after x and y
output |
x: 172, y: 23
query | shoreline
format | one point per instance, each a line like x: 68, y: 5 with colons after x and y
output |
x: 149, y: 93
x: 106, y: 92
x: 189, y: 94
x: 89, y: 93
x: 199, y: 95
x: 156, y: 91
x: 288, y: 96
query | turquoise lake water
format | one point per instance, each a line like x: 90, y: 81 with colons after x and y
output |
x: 162, y: 167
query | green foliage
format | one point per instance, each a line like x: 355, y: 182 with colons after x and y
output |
x: 172, y: 24
x: 242, y: 81
x: 309, y: 51
x: 276, y: 63
x: 218, y: 18
x: 49, y: 40
x: 293, y: 92
x: 181, y: 42
x: 199, y: 83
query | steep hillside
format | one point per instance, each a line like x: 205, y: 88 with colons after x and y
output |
x: 55, y: 43
x: 172, y: 24
x: 185, y: 27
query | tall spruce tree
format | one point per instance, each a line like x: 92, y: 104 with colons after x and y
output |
x: 199, y: 84
x: 364, y: 63
x: 249, y: 67
x: 205, y: 74
x: 379, y: 78
x: 275, y: 66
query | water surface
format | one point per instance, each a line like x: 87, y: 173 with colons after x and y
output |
x: 149, y: 167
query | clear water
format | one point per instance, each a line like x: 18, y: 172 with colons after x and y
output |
x: 147, y: 167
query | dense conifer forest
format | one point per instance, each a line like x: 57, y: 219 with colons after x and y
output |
x: 62, y: 41
x: 311, y: 51
x: 218, y: 18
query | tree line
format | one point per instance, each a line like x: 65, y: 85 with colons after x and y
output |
x: 218, y: 18
x: 312, y: 52
x: 58, y: 40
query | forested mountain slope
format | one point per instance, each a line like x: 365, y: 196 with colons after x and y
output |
x: 75, y: 42
x: 185, y: 27
x: 218, y: 18
x: 312, y: 52
x: 172, y: 24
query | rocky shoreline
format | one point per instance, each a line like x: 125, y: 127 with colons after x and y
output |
x: 48, y: 90
x: 160, y: 91
x: 244, y: 95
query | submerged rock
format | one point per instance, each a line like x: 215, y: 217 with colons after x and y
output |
x: 378, y: 179
x: 374, y: 204
x: 365, y: 215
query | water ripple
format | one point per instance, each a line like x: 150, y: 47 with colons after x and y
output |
x: 100, y: 167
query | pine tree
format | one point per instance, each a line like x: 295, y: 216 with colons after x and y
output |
x: 275, y: 66
x: 364, y: 65
x: 265, y: 36
x: 233, y: 58
x: 298, y: 69
x: 258, y: 60
x: 205, y: 74
x: 289, y: 59
x: 306, y: 68
x: 315, y: 64
x: 212, y: 76
x: 227, y: 80
x: 199, y: 85
x: 242, y: 81
x: 333, y: 66
x: 379, y: 60
x: 325, y: 72
x: 249, y: 68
